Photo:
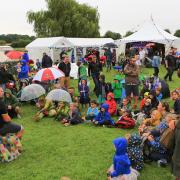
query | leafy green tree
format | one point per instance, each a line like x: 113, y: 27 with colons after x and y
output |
x: 128, y: 33
x: 177, y: 33
x: 113, y: 35
x: 2, y: 42
x: 65, y: 18
x: 168, y: 31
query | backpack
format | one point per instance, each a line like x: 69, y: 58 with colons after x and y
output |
x: 125, y: 123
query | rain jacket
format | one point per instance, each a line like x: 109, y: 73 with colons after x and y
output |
x: 121, y: 161
x: 26, y: 57
x: 112, y: 104
x: 93, y: 111
x: 117, y: 87
x: 12, y: 100
x: 135, y: 152
x: 82, y: 72
x: 102, y: 117
x: 24, y: 70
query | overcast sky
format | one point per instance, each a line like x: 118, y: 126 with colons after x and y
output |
x: 115, y: 15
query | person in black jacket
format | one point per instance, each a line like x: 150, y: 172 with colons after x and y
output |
x: 93, y: 70
x: 46, y: 61
x: 170, y: 63
x: 5, y: 77
x: 65, y: 67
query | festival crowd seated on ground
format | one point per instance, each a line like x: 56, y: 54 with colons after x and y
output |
x: 158, y: 125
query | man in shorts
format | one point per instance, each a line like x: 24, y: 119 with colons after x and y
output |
x: 131, y: 72
x: 6, y: 126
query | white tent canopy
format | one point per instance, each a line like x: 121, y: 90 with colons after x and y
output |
x: 51, y: 46
x: 54, y: 45
x: 89, y: 42
x: 150, y: 32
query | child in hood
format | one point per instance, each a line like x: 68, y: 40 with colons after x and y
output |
x: 147, y: 108
x: 12, y: 104
x: 92, y: 111
x: 103, y: 117
x: 84, y: 93
x: 117, y: 88
x: 23, y: 74
x: 146, y: 96
x: 121, y: 168
x: 112, y: 104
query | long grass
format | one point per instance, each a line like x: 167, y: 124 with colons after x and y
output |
x: 81, y: 152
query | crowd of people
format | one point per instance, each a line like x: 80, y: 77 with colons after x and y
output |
x: 158, y: 124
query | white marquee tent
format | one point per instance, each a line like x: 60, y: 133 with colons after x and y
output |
x: 51, y: 46
x: 149, y: 32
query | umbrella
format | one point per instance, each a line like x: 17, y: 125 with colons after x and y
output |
x: 48, y: 74
x: 59, y: 95
x: 14, y: 54
x: 110, y: 45
x: 31, y: 92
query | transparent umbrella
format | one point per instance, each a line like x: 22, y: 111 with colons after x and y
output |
x: 31, y: 92
x: 59, y: 95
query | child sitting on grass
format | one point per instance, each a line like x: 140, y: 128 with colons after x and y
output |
x: 74, y: 116
x: 121, y: 168
x: 112, y: 104
x: 92, y: 111
x: 146, y: 96
x: 159, y: 95
x: 103, y: 117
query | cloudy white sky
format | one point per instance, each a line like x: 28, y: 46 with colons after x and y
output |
x: 115, y: 15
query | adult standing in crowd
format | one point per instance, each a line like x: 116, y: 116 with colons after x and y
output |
x: 6, y: 126
x: 156, y: 63
x: 93, y: 70
x: 170, y: 64
x: 46, y: 61
x: 65, y: 67
x: 131, y: 72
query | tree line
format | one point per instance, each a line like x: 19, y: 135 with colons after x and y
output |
x: 16, y: 40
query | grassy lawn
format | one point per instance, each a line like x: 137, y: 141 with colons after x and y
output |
x: 81, y: 152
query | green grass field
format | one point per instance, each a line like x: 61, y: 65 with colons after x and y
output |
x: 81, y: 152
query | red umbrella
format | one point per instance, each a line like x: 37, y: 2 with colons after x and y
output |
x: 48, y: 74
x: 14, y: 54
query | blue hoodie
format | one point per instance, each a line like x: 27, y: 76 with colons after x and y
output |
x: 26, y: 57
x: 24, y: 70
x: 104, y: 116
x: 121, y: 161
